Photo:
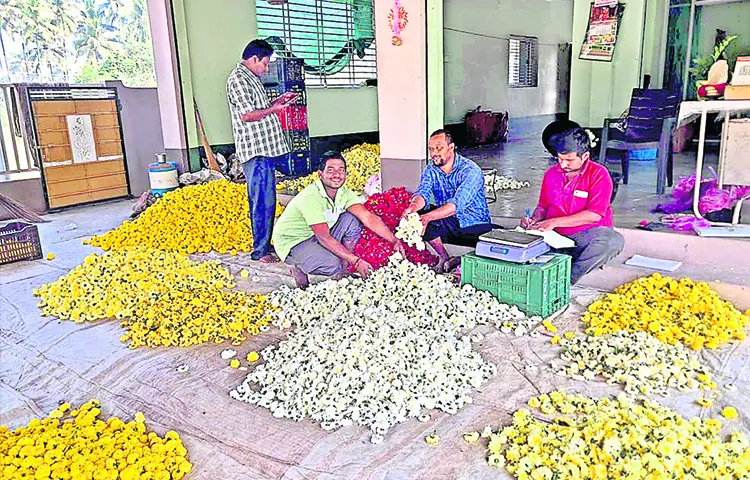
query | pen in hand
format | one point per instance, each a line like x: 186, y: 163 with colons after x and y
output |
x: 526, y: 224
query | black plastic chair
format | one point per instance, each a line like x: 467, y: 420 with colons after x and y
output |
x: 649, y: 125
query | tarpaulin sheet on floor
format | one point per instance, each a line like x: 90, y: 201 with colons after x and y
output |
x: 44, y: 361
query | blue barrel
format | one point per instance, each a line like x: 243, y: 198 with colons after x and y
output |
x: 162, y: 176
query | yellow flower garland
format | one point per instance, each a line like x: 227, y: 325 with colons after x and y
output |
x: 671, y: 310
x: 86, y: 447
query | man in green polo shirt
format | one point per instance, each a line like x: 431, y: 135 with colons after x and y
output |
x: 319, y: 228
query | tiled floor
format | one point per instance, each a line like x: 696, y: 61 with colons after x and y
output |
x: 526, y: 159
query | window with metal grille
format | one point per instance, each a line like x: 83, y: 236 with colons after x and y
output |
x: 522, y: 61
x: 335, y: 38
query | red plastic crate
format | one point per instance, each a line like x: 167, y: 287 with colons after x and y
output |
x: 294, y: 117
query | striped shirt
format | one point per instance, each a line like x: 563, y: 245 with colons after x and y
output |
x: 463, y: 187
x: 264, y: 138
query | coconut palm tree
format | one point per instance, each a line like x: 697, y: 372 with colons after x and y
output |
x: 95, y: 37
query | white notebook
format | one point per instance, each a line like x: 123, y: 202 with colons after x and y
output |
x: 551, y: 238
x: 653, y: 263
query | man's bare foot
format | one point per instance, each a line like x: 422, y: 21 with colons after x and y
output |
x: 300, y: 277
x: 440, y: 265
x: 270, y: 258
x: 451, y: 264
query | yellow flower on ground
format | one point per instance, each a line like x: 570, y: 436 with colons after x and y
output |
x: 83, y: 446
x: 471, y: 438
x: 253, y: 357
x: 50, y: 256
x: 432, y: 439
x: 705, y: 402
x: 570, y: 335
x: 730, y: 413
x: 195, y: 219
x: 671, y: 310
x: 234, y: 363
x: 162, y: 298
x: 606, y: 438
x: 555, y: 340
x: 362, y: 162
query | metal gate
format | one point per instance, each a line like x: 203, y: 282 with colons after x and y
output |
x: 79, y: 146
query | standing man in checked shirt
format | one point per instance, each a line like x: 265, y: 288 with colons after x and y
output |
x: 259, y: 140
x: 460, y: 214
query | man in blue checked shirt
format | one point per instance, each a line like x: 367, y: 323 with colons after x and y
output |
x: 460, y: 214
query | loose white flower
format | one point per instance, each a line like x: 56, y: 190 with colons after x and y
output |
x: 375, y: 352
x: 500, y: 182
x: 410, y: 231
x: 228, y: 353
x: 638, y: 360
x: 182, y: 368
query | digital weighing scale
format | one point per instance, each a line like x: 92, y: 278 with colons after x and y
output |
x: 510, y: 246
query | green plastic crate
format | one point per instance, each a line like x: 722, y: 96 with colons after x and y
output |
x: 537, y: 289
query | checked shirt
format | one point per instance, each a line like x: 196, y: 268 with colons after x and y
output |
x: 264, y: 138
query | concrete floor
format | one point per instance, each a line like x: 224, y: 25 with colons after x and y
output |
x: 44, y: 361
x: 526, y: 159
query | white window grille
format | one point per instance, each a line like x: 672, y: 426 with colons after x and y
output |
x: 320, y: 31
x: 522, y: 62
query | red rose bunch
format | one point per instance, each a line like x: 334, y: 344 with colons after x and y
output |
x: 389, y: 206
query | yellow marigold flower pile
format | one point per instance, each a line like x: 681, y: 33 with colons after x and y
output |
x: 362, y: 162
x: 86, y: 447
x: 163, y: 298
x: 194, y: 219
x: 671, y: 310
x: 601, y: 439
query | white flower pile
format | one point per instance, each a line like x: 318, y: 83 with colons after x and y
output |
x: 638, y: 360
x: 410, y: 231
x: 375, y: 352
x: 494, y: 183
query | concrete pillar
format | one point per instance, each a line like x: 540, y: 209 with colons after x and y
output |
x: 168, y: 82
x: 403, y: 78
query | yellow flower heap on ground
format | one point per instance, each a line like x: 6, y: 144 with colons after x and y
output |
x: 362, y: 162
x: 163, y: 298
x: 671, y: 310
x: 194, y: 219
x: 605, y: 439
x: 85, y: 447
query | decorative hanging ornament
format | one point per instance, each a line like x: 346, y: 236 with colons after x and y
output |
x: 397, y: 21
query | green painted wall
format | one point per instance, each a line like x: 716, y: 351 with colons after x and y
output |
x: 210, y: 39
x: 734, y: 18
x: 654, y: 40
x: 435, y: 68
x: 600, y: 90
x: 476, y: 55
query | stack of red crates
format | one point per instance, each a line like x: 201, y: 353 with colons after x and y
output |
x: 288, y: 75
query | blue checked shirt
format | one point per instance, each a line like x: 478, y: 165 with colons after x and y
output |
x: 463, y: 187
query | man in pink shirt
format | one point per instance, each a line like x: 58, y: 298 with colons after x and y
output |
x: 575, y: 202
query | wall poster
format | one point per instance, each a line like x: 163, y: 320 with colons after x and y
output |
x: 601, y: 34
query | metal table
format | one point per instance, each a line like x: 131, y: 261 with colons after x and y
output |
x: 689, y: 111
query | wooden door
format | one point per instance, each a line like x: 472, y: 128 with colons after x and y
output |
x: 90, y: 166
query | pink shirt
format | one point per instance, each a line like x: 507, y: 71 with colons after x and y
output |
x: 589, y: 190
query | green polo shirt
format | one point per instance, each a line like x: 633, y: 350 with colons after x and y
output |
x: 311, y: 206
